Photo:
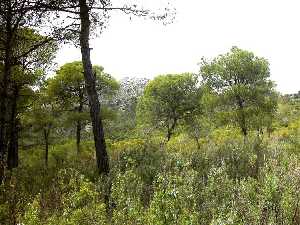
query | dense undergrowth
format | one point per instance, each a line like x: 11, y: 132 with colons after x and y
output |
x: 228, y: 180
x: 77, y: 147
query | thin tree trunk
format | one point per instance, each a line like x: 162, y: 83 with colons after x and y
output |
x: 46, y: 139
x: 79, y: 124
x: 169, y: 134
x: 242, y: 118
x: 100, y: 146
x: 12, y: 157
x: 259, y: 155
x: 197, y: 142
x: 13, y: 148
x: 171, y: 129
x: 78, y: 136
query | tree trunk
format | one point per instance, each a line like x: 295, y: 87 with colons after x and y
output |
x: 13, y: 148
x: 79, y: 125
x: 242, y: 118
x: 169, y: 134
x: 46, y: 139
x: 244, y: 131
x: 197, y: 142
x: 12, y: 157
x: 171, y: 129
x: 100, y: 146
x: 78, y: 136
x: 259, y: 155
x: 4, y: 88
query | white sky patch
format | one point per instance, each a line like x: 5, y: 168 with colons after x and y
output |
x: 202, y: 28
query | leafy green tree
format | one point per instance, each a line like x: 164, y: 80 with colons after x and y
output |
x: 201, y: 124
x: 168, y: 100
x: 68, y: 87
x: 198, y: 126
x: 241, y: 81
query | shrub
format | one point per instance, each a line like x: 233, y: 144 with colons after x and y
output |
x: 126, y: 197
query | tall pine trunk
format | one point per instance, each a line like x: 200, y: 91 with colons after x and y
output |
x: 4, y: 86
x: 90, y: 82
x: 13, y: 147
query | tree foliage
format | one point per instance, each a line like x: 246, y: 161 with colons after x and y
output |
x: 242, y: 83
x: 168, y: 100
x: 68, y: 88
x: 209, y: 173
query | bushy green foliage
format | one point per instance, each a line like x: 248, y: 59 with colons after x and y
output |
x: 148, y: 185
x: 174, y: 200
x: 209, y: 173
x: 241, y: 82
x: 167, y: 100
x: 126, y: 197
x: 228, y: 180
x: 78, y: 202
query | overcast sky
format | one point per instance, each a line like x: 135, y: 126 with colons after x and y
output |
x: 141, y: 48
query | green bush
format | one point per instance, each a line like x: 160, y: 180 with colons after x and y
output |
x: 126, y: 198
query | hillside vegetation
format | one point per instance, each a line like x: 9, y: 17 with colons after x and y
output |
x: 217, y: 147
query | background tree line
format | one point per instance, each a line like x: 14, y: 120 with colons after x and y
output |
x: 232, y: 89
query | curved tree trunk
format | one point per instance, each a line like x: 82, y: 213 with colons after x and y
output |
x: 100, y: 146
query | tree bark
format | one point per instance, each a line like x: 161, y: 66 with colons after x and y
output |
x: 242, y: 118
x: 79, y: 124
x: 78, y: 136
x: 259, y: 155
x: 100, y: 146
x: 197, y: 142
x: 13, y: 147
x: 4, y: 87
x: 171, y: 129
x: 46, y: 139
x: 169, y: 134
